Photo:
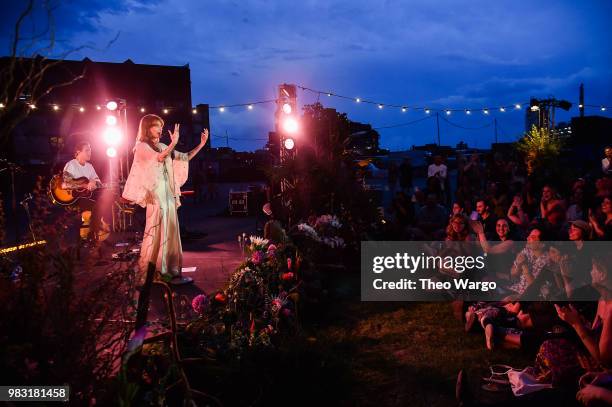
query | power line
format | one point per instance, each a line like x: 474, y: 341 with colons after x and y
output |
x: 391, y: 126
x: 464, y: 127
x: 260, y: 102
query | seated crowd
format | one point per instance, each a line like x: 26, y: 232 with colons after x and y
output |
x: 555, y: 300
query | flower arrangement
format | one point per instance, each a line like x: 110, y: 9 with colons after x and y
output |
x: 328, y: 229
x: 309, y: 231
x: 256, y: 303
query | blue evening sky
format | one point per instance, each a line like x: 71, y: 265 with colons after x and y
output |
x: 441, y: 54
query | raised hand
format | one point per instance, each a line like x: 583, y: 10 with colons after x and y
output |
x: 174, y: 136
x: 477, y: 227
x: 568, y: 314
x: 204, y: 136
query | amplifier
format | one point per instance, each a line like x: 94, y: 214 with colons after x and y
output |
x: 239, y: 202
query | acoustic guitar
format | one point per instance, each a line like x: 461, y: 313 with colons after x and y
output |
x: 67, y: 197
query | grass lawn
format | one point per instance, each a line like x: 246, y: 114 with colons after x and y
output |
x: 402, y: 354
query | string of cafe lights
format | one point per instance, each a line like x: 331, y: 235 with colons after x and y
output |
x: 447, y: 111
x: 82, y: 108
x: 251, y: 106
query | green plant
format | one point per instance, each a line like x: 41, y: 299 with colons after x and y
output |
x: 540, y: 147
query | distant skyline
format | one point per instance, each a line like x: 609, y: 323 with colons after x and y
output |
x: 440, y: 54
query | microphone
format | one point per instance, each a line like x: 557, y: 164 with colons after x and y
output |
x: 27, y: 197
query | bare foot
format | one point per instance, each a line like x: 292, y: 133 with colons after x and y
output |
x: 489, y: 336
x: 470, y: 318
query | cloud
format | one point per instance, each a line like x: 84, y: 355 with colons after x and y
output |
x: 438, y: 52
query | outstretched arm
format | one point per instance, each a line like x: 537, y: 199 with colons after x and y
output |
x: 203, y: 139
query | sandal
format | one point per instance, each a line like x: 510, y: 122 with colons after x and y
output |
x: 499, y: 375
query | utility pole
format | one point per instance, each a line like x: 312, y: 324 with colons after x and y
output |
x: 438, y: 126
x: 226, y: 139
x: 495, y: 123
x: 581, y: 105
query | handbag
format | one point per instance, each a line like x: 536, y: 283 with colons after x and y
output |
x: 525, y: 382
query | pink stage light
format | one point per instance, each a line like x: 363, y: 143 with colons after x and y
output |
x: 111, y: 120
x: 112, y: 105
x: 111, y: 152
x: 290, y: 125
x: 112, y: 136
x: 289, y: 144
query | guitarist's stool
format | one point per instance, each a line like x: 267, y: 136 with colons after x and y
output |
x: 123, y: 215
x: 85, y: 221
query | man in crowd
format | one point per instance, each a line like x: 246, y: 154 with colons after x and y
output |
x: 606, y: 163
x: 487, y: 218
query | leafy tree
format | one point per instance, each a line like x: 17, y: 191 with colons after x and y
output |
x: 540, y: 148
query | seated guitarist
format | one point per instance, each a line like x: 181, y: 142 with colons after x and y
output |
x: 80, y: 174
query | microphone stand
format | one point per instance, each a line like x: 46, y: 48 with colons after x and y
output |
x: 26, y: 206
x: 13, y: 168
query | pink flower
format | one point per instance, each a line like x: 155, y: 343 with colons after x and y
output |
x: 277, y: 304
x: 199, y: 303
x: 271, y: 250
x: 257, y: 257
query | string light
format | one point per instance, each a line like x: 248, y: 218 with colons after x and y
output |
x: 250, y: 106
x: 402, y: 107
